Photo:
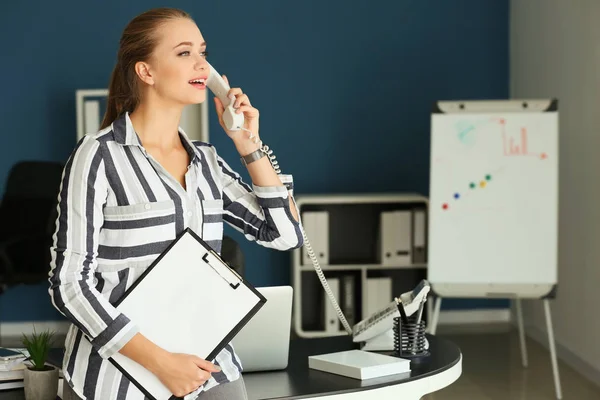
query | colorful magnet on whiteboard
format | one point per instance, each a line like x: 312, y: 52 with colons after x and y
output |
x: 543, y: 156
x: 472, y: 185
x: 488, y: 177
x: 482, y: 184
x: 456, y: 195
x: 445, y: 206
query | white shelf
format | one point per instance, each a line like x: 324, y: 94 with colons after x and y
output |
x: 384, y: 201
x: 348, y: 267
x: 360, y: 198
x: 353, y: 267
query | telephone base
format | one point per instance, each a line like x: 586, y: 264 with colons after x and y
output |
x: 382, y: 342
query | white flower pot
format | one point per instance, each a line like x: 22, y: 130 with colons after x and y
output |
x: 41, y: 385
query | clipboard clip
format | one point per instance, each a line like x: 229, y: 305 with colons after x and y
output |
x: 233, y: 285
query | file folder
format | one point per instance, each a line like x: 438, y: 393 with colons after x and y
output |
x: 188, y: 301
x: 316, y: 226
x: 395, y: 238
x: 419, y: 245
x: 331, y: 318
x: 379, y: 294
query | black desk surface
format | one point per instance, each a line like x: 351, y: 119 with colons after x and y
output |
x: 298, y: 381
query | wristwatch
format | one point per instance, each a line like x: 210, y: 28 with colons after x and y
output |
x: 250, y: 158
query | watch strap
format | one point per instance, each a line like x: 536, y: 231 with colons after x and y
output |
x: 254, y: 156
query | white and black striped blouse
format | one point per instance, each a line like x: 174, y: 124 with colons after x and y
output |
x: 118, y: 210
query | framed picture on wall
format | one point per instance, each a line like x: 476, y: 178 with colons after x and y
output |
x: 91, y: 106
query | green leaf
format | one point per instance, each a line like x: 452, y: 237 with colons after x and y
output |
x: 38, y: 345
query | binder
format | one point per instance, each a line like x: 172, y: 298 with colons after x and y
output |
x: 419, y: 245
x: 396, y: 237
x: 348, y: 299
x: 379, y: 294
x: 331, y: 318
x: 188, y: 301
x: 316, y: 226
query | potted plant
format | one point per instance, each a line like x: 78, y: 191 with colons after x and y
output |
x: 40, y: 380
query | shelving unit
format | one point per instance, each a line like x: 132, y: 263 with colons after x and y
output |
x: 347, y: 236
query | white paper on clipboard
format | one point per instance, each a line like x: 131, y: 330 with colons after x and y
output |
x: 188, y: 301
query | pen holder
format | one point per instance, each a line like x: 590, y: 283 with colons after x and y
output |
x: 409, y: 339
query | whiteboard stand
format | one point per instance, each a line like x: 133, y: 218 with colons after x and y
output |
x: 493, y: 206
x: 521, y: 327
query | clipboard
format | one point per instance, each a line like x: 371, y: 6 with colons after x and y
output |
x: 188, y: 301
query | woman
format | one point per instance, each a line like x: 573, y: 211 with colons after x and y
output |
x: 130, y: 189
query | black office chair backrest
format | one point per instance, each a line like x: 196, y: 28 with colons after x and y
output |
x: 34, y: 179
x: 26, y: 210
x: 30, y: 198
x: 231, y: 252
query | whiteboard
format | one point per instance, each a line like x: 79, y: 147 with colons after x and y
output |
x: 493, y: 199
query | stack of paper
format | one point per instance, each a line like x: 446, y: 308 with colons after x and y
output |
x: 12, y: 379
x: 359, y: 364
x: 10, y: 358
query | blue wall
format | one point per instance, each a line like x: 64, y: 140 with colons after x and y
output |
x: 345, y: 89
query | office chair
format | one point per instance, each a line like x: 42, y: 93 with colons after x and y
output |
x: 26, y: 226
x: 231, y: 252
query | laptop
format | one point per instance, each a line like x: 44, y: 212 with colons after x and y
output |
x: 263, y: 343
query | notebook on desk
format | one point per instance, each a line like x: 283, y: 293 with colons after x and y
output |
x: 359, y: 364
x: 197, y: 290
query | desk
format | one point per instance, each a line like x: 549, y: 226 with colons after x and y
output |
x: 297, y: 381
x: 442, y: 368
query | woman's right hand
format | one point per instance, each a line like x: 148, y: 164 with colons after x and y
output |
x: 184, y: 373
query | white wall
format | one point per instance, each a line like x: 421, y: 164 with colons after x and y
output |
x: 555, y: 52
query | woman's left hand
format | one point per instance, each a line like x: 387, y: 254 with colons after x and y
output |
x: 242, y: 105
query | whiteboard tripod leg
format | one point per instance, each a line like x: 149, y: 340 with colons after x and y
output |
x: 552, y: 349
x: 521, y: 333
x: 436, y: 315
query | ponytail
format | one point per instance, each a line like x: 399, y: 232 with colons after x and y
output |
x: 122, y: 96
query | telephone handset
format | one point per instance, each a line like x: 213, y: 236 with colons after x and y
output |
x: 370, y: 327
x: 216, y: 83
x: 232, y: 120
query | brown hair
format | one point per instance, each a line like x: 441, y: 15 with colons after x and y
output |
x: 137, y: 44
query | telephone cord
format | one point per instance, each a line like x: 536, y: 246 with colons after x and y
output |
x: 325, y: 284
x: 265, y: 149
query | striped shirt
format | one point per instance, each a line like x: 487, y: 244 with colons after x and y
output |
x: 118, y: 210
